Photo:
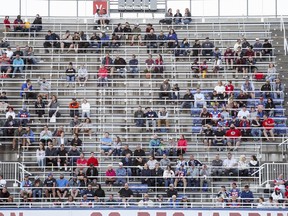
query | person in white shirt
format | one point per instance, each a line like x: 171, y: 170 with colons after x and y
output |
x: 237, y: 44
x: 10, y: 112
x: 9, y: 52
x: 220, y: 88
x: 97, y: 18
x: 145, y: 202
x: 243, y: 113
x: 199, y: 99
x: 230, y: 165
x: 104, y: 21
x: 82, y: 76
x: 277, y: 195
x: 85, y: 107
x: 168, y: 176
x: 163, y: 118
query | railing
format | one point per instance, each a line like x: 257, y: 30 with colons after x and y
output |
x: 282, y: 28
x: 268, y: 172
x: 11, y: 171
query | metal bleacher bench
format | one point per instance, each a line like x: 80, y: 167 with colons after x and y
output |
x: 137, y: 5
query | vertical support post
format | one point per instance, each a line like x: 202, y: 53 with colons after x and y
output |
x: 77, y: 5
x: 247, y: 8
x: 276, y: 9
x: 219, y: 12
x: 49, y: 9
x: 20, y: 7
x: 190, y: 7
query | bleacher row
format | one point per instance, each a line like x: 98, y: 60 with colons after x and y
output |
x: 112, y: 108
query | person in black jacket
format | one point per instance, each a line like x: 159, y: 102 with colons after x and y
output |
x: 120, y: 65
x: 92, y: 172
x: 51, y: 155
x: 157, y: 174
x: 37, y: 24
x: 188, y: 99
x: 83, y: 44
x: 99, y: 192
x: 151, y: 41
x: 39, y: 108
x: 51, y: 41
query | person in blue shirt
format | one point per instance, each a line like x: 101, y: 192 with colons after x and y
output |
x: 121, y: 174
x: 62, y: 187
x: 154, y: 144
x: 185, y: 45
x: 247, y: 197
x: 24, y: 117
x: 104, y: 39
x: 172, y: 39
x: 28, y: 137
x: 207, y: 47
x: 27, y: 90
x: 151, y: 117
x: 106, y: 143
x: 18, y: 64
x: 161, y: 39
x: 234, y: 192
x: 133, y: 65
x: 26, y: 187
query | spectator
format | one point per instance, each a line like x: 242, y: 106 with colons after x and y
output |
x: 5, y: 65
x: 51, y: 155
x: 256, y: 128
x: 246, y: 196
x: 254, y: 166
x: 76, y: 140
x: 230, y: 165
x: 196, y: 48
x: 67, y: 42
x: 50, y: 186
x: 18, y: 64
x: 87, y: 127
x: 181, y: 145
x: 150, y: 65
x: 219, y: 137
x: 229, y: 88
x: 74, y: 108
x: 168, y: 176
x: 245, y: 128
x: 73, y: 155
x: 229, y: 58
x: 223, y: 193
x: 270, y: 107
x: 40, y: 156
x: 267, y: 48
x: 133, y: 65
x: 85, y: 107
x: 233, y: 136
x: 177, y: 17
x: 188, y: 100
x: 92, y: 160
x: 172, y: 39
x: 152, y: 162
x: 120, y: 65
x: 162, y: 40
x: 217, y: 166
x: 268, y: 124
x: 24, y: 117
x: 45, y: 88
x: 280, y: 183
x: 102, y: 76
x: 51, y: 41
x: 70, y: 75
x: 18, y: 24
x: 193, y: 177
x: 7, y: 26
x: 127, y: 163
x: 271, y: 72
x: 207, y: 131
x: 266, y: 89
x: 26, y: 187
x: 74, y: 124
x: 168, y: 18
x: 45, y: 135
x: 151, y: 41
x: 151, y: 117
x: 175, y: 93
x: 243, y: 166
x: 159, y: 68
x: 205, y: 116
x: 110, y: 176
x: 258, y: 48
x: 278, y: 89
x: 139, y: 117
x: 157, y: 175
x: 165, y: 89
x: 163, y: 119
x: 106, y: 143
x: 277, y: 195
x: 204, y: 68
x: 187, y: 17
x: 82, y: 76
x: 136, y: 35
x: 62, y: 160
x: 94, y: 42
x: 83, y: 44
x: 207, y: 47
x: 37, y: 24
x: 239, y: 64
x: 62, y: 187
x: 146, y: 202
x: 199, y: 99
x: 126, y: 193
x: 81, y: 162
x: 146, y: 175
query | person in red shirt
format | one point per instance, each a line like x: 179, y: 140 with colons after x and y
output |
x: 181, y: 145
x: 229, y: 58
x: 245, y: 128
x: 286, y: 194
x: 229, y: 88
x: 18, y: 24
x: 268, y: 125
x: 249, y: 52
x: 74, y: 107
x: 7, y: 23
x: 102, y: 75
x: 233, y: 136
x: 81, y: 162
x: 92, y: 160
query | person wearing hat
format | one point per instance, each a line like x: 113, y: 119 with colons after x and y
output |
x: 26, y: 187
x: 219, y: 137
x: 256, y: 131
x: 245, y: 128
x: 277, y: 195
x: 24, y: 116
x: 66, y: 42
x: 121, y: 174
x: 246, y: 196
x: 258, y: 48
x: 50, y: 186
x: 233, y: 136
x: 207, y: 47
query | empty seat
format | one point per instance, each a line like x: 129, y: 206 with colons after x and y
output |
x: 137, y: 5
x: 145, y: 5
x: 121, y: 5
x: 129, y: 5
x: 153, y: 5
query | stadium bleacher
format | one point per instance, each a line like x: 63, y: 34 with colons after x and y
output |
x: 112, y: 110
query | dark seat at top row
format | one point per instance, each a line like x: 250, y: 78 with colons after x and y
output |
x: 137, y: 5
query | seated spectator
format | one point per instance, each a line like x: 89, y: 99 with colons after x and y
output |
x: 163, y: 119
x: 76, y: 140
x: 5, y: 63
x: 81, y: 162
x: 204, y: 174
x: 108, y: 64
x: 271, y: 72
x: 106, y: 143
x: 83, y: 44
x: 133, y: 65
x: 27, y: 91
x: 37, y: 24
x: 196, y: 48
x: 18, y: 24
x: 188, y: 100
x: 240, y: 66
x: 267, y: 48
x: 120, y: 64
x: 157, y: 175
x: 127, y: 163
x: 233, y: 136
x: 223, y: 193
x: 51, y: 155
x: 37, y: 189
x: 87, y: 127
x: 181, y: 145
x: 121, y: 174
x: 146, y: 202
x: 207, y: 47
x: 85, y: 107
x: 115, y: 41
x: 151, y: 41
x: 266, y: 89
x: 136, y: 35
x: 270, y: 107
x: 230, y: 166
x: 126, y: 193
x: 168, y: 176
x: 258, y: 48
x: 207, y: 131
x: 18, y: 134
x: 28, y: 137
x: 268, y: 124
x: 168, y: 18
x: 219, y: 138
x: 74, y: 124
x: 206, y: 117
x: 177, y: 17
x: 154, y: 145
x: 229, y: 88
x: 92, y: 160
x: 159, y: 68
x: 229, y: 58
x: 187, y: 17
x: 278, y: 89
x: 67, y: 42
x: 82, y: 76
x: 50, y: 186
x: 243, y: 166
x: 172, y: 39
x: 40, y: 156
x: 199, y: 99
x: 217, y: 164
x: 110, y: 176
x: 94, y: 42
x: 102, y: 76
x: 119, y: 31
x: 180, y: 177
x: 277, y: 195
x: 24, y: 117
x: 26, y: 187
x: 175, y: 93
x: 45, y: 88
x: 250, y: 69
x: 7, y: 26
x: 150, y: 65
x: 204, y: 69
x: 105, y: 19
x: 74, y: 108
x: 146, y: 175
x: 151, y: 117
x: 254, y: 166
x: 45, y: 135
x: 246, y: 196
x: 73, y: 156
x: 70, y: 75
x: 18, y: 64
x: 139, y: 117
x: 62, y: 186
x: 248, y: 88
x: 62, y: 160
x: 245, y: 128
x: 162, y: 40
x: 165, y: 89
x: 51, y: 41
